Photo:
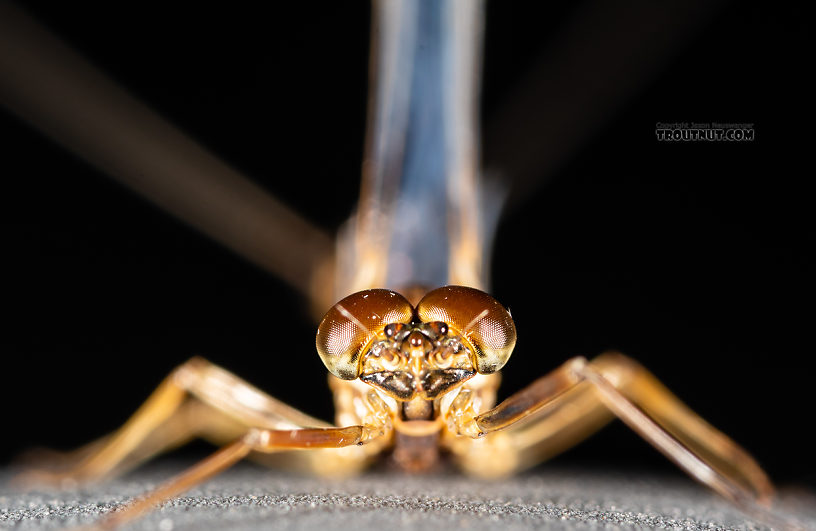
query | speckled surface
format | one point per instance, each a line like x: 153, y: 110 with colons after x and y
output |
x: 251, y: 498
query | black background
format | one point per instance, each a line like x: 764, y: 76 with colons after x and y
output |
x: 693, y: 258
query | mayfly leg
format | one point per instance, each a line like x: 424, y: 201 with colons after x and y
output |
x: 197, y: 399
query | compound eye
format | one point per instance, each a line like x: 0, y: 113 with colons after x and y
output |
x: 476, y: 316
x: 352, y: 323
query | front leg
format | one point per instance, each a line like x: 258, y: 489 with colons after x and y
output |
x: 255, y: 440
x: 374, y: 430
x: 197, y: 399
x: 634, y: 395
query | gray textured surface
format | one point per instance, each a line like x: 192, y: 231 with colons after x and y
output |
x: 251, y: 498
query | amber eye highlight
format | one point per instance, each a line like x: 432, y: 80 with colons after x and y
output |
x: 478, y: 318
x: 352, y: 323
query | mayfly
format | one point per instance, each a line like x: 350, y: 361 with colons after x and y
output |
x: 415, y: 345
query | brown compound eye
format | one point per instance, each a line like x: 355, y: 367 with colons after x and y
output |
x: 479, y: 318
x: 352, y: 323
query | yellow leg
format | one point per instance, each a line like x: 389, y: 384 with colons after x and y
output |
x: 649, y: 408
x: 565, y: 406
x: 171, y: 416
x: 539, y: 434
x: 259, y: 440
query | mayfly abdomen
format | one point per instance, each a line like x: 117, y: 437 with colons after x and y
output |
x: 421, y: 214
